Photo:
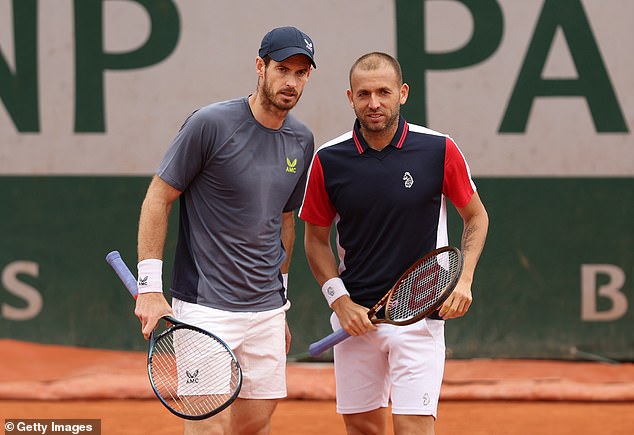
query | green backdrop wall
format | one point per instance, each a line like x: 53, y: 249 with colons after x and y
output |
x: 528, y: 290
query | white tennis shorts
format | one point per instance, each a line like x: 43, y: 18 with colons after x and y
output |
x: 257, y: 339
x: 404, y: 362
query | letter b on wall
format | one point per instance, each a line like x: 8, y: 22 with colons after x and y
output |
x: 592, y: 291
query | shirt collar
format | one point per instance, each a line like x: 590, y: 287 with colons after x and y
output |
x: 396, y: 142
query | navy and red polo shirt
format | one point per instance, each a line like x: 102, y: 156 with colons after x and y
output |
x: 389, y: 206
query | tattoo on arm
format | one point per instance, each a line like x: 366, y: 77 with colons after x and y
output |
x: 467, y: 237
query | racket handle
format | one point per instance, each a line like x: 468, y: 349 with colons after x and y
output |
x: 319, y: 347
x: 116, y: 262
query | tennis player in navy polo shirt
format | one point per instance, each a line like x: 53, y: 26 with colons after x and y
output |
x: 385, y: 184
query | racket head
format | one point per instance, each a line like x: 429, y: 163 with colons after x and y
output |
x: 424, y: 286
x: 192, y: 372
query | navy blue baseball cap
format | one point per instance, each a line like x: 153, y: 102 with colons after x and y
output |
x: 283, y: 42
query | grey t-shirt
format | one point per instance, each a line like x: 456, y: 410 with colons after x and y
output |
x: 237, y: 177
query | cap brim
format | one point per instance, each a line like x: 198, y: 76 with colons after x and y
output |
x: 285, y: 53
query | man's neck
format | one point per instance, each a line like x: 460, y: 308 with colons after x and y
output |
x: 378, y: 140
x: 267, y: 115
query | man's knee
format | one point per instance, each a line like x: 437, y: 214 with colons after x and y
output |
x: 366, y: 423
x: 252, y: 417
x: 216, y: 425
x: 413, y: 424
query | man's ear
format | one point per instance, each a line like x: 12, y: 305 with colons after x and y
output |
x: 404, y: 93
x: 259, y: 66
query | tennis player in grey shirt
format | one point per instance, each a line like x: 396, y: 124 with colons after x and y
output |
x: 238, y: 168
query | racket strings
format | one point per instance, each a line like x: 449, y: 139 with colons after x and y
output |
x: 420, y: 291
x: 192, y: 372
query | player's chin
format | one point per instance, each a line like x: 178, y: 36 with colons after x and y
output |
x: 287, y: 102
x: 375, y: 124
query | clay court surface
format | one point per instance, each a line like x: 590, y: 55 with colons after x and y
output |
x: 492, y: 397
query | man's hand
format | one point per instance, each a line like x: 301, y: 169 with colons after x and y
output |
x: 288, y: 338
x: 458, y: 302
x: 352, y: 317
x: 150, y: 307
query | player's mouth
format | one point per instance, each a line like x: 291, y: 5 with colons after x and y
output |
x: 289, y: 93
x: 375, y: 116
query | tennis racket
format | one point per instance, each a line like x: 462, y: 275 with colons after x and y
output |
x: 420, y: 291
x: 192, y: 372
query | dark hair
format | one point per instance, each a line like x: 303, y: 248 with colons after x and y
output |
x: 374, y: 60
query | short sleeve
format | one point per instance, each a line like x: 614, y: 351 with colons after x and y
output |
x: 457, y: 183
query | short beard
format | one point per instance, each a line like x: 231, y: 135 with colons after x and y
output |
x: 389, y: 124
x: 269, y: 101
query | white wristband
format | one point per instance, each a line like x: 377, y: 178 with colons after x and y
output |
x: 333, y: 289
x: 285, y: 284
x: 150, y: 272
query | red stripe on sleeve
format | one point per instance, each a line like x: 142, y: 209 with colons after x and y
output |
x: 317, y: 208
x: 457, y: 184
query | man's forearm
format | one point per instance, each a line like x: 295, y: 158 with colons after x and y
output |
x: 288, y: 239
x: 473, y: 239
